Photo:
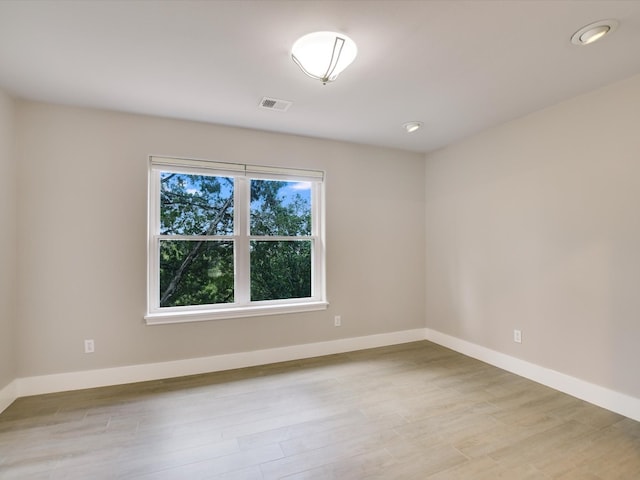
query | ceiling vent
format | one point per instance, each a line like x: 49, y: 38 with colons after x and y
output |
x: 274, y: 104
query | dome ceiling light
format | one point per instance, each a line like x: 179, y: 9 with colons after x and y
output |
x: 593, y: 32
x: 323, y: 55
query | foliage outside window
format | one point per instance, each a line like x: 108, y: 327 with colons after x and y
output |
x: 228, y: 240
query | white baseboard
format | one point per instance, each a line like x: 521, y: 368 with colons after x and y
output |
x: 603, y: 397
x: 155, y: 371
x: 7, y: 395
x: 595, y: 394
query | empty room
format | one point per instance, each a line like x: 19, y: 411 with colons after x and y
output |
x: 302, y: 239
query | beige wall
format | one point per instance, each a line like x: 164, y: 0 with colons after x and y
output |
x: 536, y: 225
x: 8, y: 244
x: 531, y: 225
x: 82, y: 233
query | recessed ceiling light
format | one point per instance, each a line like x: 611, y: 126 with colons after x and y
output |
x: 593, y: 32
x: 411, y: 127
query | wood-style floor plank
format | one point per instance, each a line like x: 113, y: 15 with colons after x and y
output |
x: 412, y: 411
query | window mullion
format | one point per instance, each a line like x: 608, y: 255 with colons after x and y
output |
x: 241, y: 209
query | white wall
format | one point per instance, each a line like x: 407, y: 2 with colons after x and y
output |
x: 8, y: 243
x: 536, y: 225
x: 82, y: 230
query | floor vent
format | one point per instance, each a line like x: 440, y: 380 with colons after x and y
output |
x: 274, y: 104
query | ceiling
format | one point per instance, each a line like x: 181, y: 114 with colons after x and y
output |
x: 458, y: 66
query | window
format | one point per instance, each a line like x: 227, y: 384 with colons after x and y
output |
x: 229, y: 240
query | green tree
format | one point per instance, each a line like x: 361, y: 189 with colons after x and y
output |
x: 198, y: 272
x: 279, y: 269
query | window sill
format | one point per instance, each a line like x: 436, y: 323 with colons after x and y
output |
x: 235, y: 312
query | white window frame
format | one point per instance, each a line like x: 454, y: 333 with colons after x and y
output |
x: 242, y: 305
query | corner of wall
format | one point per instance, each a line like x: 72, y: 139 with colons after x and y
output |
x: 8, y: 395
x: 8, y: 249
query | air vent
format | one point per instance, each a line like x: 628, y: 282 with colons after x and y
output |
x: 274, y: 104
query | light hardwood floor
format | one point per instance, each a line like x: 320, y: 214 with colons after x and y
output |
x: 412, y: 411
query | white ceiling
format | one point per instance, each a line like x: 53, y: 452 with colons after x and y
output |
x: 458, y: 66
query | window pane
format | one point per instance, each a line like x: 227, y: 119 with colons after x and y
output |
x: 195, y: 204
x: 280, y: 208
x: 195, y: 272
x: 280, y: 270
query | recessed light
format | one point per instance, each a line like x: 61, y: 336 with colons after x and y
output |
x: 593, y: 32
x: 411, y: 127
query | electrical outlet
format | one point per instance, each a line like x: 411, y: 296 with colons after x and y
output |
x: 89, y: 346
x: 337, y: 321
x: 517, y: 336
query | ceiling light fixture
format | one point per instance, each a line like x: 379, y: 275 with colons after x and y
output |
x: 411, y: 127
x: 323, y: 55
x: 593, y: 32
